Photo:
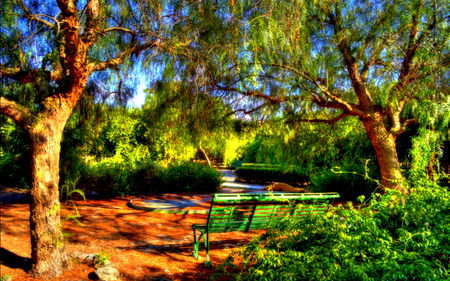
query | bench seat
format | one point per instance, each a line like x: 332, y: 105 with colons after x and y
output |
x: 256, y: 211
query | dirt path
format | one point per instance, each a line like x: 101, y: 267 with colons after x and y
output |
x: 144, y: 245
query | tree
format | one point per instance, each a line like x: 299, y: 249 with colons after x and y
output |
x: 50, y: 51
x: 382, y: 61
x: 185, y: 118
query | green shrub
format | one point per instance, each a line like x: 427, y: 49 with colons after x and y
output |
x: 191, y: 177
x: 259, y: 165
x: 236, y: 164
x: 104, y: 178
x: 147, y: 178
x: 289, y: 175
x: 116, y: 177
x: 349, y: 181
x: 395, y: 237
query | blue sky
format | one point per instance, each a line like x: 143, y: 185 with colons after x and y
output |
x: 139, y: 97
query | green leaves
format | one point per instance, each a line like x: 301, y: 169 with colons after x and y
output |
x: 191, y: 177
x: 371, y: 242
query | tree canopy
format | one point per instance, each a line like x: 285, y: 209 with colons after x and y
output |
x: 385, y: 62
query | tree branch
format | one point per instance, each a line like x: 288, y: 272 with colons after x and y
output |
x: 373, y: 32
x: 349, y: 107
x: 351, y: 64
x: 327, y: 121
x: 410, y: 53
x: 93, y: 23
x: 397, y: 131
x: 323, y: 88
x: 112, y: 63
x: 27, y: 76
x: 30, y: 16
x: 17, y: 112
x: 246, y: 111
x: 268, y: 98
x: 120, y: 29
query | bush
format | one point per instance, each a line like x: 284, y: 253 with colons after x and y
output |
x: 115, y: 177
x: 109, y: 178
x: 235, y: 164
x: 290, y: 175
x: 349, y: 181
x: 258, y: 165
x: 147, y: 178
x: 395, y: 237
x: 191, y: 177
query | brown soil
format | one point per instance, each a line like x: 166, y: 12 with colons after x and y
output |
x: 144, y: 245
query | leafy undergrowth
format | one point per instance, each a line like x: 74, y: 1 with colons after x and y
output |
x: 393, y: 237
x: 117, y: 177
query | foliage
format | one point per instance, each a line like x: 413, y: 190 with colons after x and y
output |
x: 235, y: 164
x: 179, y: 122
x: 102, y: 257
x: 116, y: 177
x: 394, y: 237
x: 14, y: 155
x: 290, y: 175
x: 308, y: 145
x: 350, y: 180
x: 147, y: 177
x: 191, y: 177
x: 427, y: 145
x: 312, y: 150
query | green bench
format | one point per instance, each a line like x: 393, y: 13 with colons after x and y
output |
x: 243, y: 212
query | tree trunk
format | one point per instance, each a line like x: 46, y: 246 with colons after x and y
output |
x: 204, y: 154
x: 385, y: 147
x: 47, y: 242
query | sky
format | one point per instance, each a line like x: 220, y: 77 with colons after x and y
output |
x: 139, y: 98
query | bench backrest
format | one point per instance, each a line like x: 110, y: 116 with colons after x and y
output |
x: 243, y: 212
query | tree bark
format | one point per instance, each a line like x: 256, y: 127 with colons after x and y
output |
x: 48, y: 252
x: 385, y: 147
x: 47, y: 241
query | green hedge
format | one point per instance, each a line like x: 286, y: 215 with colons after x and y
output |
x: 111, y: 177
x: 191, y: 177
x: 267, y: 175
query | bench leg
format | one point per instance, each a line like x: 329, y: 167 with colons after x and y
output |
x: 207, y: 262
x: 196, y: 244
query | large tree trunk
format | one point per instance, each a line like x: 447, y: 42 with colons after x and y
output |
x: 385, y: 147
x: 47, y: 241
